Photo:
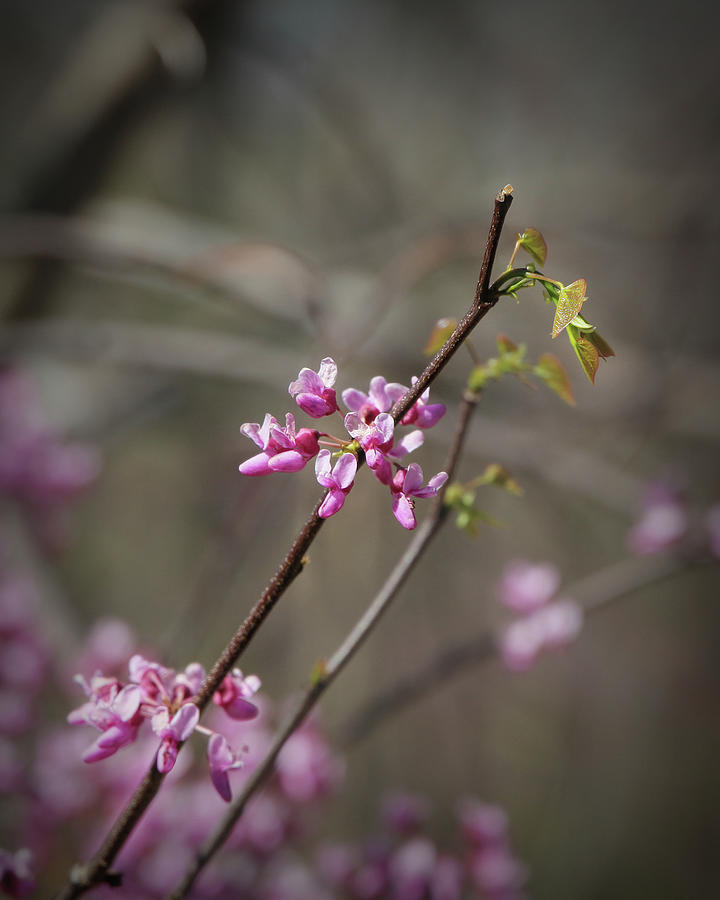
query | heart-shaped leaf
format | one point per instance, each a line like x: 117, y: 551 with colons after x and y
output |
x: 534, y: 243
x: 440, y: 333
x: 570, y: 301
x: 601, y: 345
x: 586, y: 353
x: 552, y: 372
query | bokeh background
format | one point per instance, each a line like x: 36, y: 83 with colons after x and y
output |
x: 199, y: 198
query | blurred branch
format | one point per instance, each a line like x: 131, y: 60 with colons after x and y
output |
x: 159, y: 48
x: 595, y: 592
x: 149, y: 346
x: 215, y: 271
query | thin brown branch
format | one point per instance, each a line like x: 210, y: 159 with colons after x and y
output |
x: 97, y: 870
x: 337, y: 662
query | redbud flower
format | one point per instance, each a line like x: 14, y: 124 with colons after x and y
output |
x: 113, y: 710
x: 482, y: 823
x: 379, y: 399
x: 306, y: 767
x: 282, y: 449
x: 339, y: 481
x: 313, y: 391
x: 173, y: 732
x: 663, y: 523
x: 222, y: 759
x: 375, y: 437
x: 422, y: 413
x: 16, y: 878
x: 404, y: 813
x: 553, y: 626
x: 527, y: 586
x: 234, y: 694
x: 411, y: 869
x: 406, y: 485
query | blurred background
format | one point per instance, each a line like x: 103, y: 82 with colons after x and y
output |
x: 199, y: 198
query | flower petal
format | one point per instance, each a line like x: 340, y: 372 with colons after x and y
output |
x: 403, y: 511
x: 345, y: 469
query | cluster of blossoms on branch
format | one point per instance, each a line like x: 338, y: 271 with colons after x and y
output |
x: 403, y: 862
x: 164, y: 698
x: 528, y: 589
x: 39, y: 470
x: 371, y: 429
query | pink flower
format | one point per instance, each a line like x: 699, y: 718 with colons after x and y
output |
x: 222, y: 759
x: 404, y: 813
x: 16, y: 877
x: 306, y: 768
x: 411, y: 869
x: 422, y: 413
x: 339, y: 481
x: 482, y: 823
x: 282, y: 449
x: 313, y: 391
x: 173, y: 732
x: 406, y: 485
x: 527, y: 586
x: 113, y: 710
x: 234, y: 694
x: 553, y: 626
x: 663, y: 523
x: 379, y: 399
x: 375, y: 437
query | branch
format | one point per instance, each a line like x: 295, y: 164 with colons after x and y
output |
x: 594, y: 592
x: 337, y: 662
x: 97, y: 870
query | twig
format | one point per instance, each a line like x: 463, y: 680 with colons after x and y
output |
x: 330, y: 670
x: 594, y: 592
x: 97, y: 870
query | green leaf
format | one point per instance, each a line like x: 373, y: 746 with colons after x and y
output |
x: 550, y: 370
x: 586, y: 352
x: 534, y: 243
x: 500, y: 477
x: 605, y: 351
x: 505, y: 345
x: 478, y: 378
x: 440, y: 333
x: 570, y: 301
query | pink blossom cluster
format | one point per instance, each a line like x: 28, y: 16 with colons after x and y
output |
x: 164, y: 698
x: 371, y: 430
x: 37, y: 468
x: 663, y: 523
x: 667, y: 523
x: 404, y: 863
x: 528, y: 589
x: 16, y: 873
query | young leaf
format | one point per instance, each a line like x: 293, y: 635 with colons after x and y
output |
x: 505, y: 345
x: 570, y: 300
x: 499, y: 476
x: 440, y: 333
x: 552, y: 372
x: 586, y: 353
x: 601, y: 345
x: 534, y: 243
